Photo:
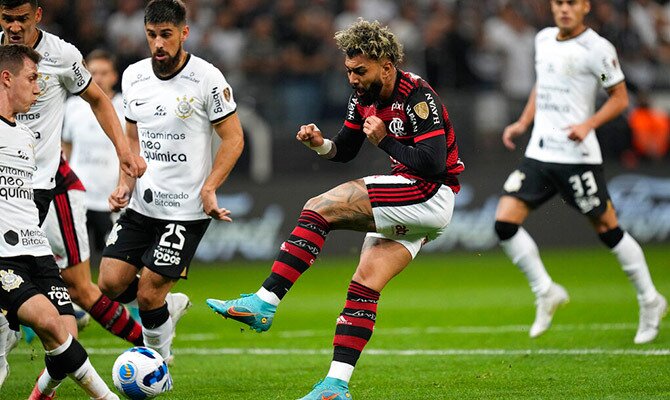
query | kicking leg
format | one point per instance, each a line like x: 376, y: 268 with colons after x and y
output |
x: 347, y: 206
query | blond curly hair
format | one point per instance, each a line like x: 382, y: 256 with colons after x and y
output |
x: 370, y: 39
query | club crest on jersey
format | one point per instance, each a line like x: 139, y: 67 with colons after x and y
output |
x: 10, y: 280
x: 422, y: 110
x: 184, y: 107
x: 226, y: 94
x: 396, y: 127
x: 42, y: 83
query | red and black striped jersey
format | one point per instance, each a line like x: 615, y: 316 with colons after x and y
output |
x: 66, y: 179
x: 420, y: 138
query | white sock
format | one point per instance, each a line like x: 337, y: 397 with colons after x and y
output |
x: 523, y: 252
x: 268, y: 297
x: 630, y: 256
x: 159, y: 338
x: 341, y: 371
x: 46, y: 384
x: 4, y: 332
x: 89, y: 380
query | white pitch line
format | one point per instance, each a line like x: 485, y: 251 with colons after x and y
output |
x: 381, y: 352
x: 500, y: 329
x: 430, y: 330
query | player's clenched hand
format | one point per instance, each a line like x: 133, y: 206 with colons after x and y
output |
x: 211, y: 206
x: 511, y: 132
x: 310, y: 135
x: 375, y: 129
x: 132, y: 164
x: 579, y: 132
x: 119, y: 198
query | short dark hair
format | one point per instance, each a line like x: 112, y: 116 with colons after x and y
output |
x: 12, y: 56
x: 161, y: 11
x: 17, y: 3
x: 101, y: 54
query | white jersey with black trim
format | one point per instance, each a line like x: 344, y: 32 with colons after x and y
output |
x: 569, y: 75
x: 93, y: 156
x: 21, y: 235
x: 175, y: 117
x: 61, y: 71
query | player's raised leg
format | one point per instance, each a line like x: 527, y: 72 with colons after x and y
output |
x: 346, y: 206
x: 521, y: 249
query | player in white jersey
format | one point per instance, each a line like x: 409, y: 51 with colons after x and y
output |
x: 89, y: 151
x: 31, y: 289
x: 563, y: 157
x: 174, y: 102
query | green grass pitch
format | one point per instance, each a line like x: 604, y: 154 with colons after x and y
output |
x: 451, y: 326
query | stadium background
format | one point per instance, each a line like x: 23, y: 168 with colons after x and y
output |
x: 280, y: 58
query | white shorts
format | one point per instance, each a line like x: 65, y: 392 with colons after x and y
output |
x: 410, y: 212
x: 66, y: 230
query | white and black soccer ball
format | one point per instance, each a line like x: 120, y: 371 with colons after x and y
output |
x: 141, y: 373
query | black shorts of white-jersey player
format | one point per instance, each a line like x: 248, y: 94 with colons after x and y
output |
x: 31, y: 290
x: 152, y: 237
x: 399, y: 113
x: 563, y: 156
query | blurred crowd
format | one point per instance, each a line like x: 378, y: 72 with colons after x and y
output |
x: 280, y: 57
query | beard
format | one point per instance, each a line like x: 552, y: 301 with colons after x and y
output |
x: 371, y: 94
x: 167, y: 66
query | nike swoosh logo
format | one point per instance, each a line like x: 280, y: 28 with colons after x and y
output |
x: 162, y: 264
x: 234, y: 313
x: 137, y: 103
x: 63, y: 302
x: 331, y: 397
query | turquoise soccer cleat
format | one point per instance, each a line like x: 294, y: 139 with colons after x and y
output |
x: 329, y: 389
x: 248, y: 309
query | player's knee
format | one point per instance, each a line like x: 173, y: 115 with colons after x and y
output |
x: 110, y: 288
x: 505, y: 230
x: 314, y: 204
x: 47, y: 325
x: 612, y: 237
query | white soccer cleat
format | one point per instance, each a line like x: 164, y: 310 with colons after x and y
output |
x: 178, y: 304
x: 111, y: 396
x: 651, y: 315
x: 547, y: 304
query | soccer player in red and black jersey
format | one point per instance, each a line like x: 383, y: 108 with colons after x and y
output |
x: 402, y: 115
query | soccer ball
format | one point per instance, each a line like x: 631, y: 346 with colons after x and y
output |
x: 141, y: 373
x: 82, y: 317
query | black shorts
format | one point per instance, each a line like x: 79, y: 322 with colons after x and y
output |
x: 164, y: 246
x: 23, y: 277
x: 43, y: 198
x: 582, y: 186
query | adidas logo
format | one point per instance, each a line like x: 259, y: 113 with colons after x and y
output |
x: 342, y: 321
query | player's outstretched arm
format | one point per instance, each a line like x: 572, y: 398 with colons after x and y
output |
x: 230, y: 149
x: 131, y: 163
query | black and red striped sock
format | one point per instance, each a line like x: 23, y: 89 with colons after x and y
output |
x: 355, y: 324
x: 114, y: 317
x: 298, y: 252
